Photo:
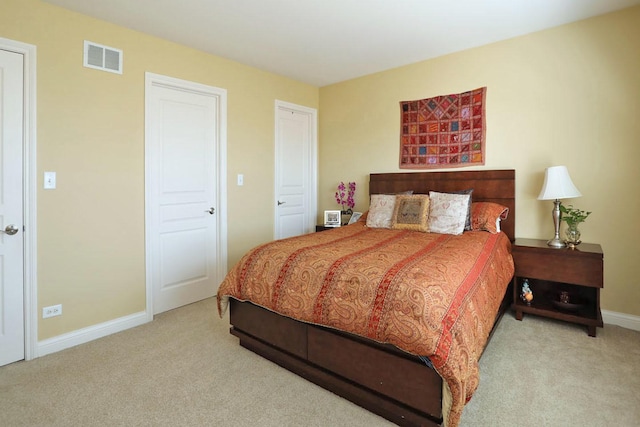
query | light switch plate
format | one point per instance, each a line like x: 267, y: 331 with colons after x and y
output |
x: 49, y: 180
x: 240, y: 179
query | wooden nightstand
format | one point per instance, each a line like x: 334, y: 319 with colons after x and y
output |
x: 550, y: 271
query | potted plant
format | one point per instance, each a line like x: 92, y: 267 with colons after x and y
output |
x: 572, y: 216
x: 345, y: 198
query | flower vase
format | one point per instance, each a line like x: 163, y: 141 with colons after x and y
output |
x: 345, y: 216
x: 573, y: 235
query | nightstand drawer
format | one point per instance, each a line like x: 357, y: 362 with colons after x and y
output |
x: 586, y: 271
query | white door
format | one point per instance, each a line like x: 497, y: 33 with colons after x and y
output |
x: 183, y: 143
x: 296, y: 171
x: 11, y: 209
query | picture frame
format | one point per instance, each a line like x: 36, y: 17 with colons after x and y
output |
x: 332, y: 218
x: 354, y: 217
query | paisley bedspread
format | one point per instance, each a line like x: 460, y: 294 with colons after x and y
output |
x: 429, y: 294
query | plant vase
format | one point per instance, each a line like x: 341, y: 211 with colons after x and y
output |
x: 345, y: 216
x: 572, y: 235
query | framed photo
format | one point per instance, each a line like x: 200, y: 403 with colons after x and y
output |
x: 355, y: 217
x: 332, y: 218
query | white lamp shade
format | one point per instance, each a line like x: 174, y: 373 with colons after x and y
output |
x: 558, y: 184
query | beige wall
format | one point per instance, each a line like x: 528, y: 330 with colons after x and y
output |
x: 91, y: 132
x: 569, y: 95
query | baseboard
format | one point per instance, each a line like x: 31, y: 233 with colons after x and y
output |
x: 81, y: 336
x: 91, y: 333
x: 621, y: 319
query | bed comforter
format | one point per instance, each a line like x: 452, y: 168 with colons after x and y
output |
x: 431, y: 295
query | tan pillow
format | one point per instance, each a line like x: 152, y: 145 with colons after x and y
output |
x: 381, y: 210
x: 448, y: 212
x: 411, y: 213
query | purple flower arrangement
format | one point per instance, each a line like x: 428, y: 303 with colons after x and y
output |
x: 345, y: 196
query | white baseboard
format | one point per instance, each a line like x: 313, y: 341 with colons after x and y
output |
x: 81, y: 336
x: 91, y: 333
x: 621, y: 319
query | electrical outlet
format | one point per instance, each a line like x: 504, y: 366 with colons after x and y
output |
x: 52, y: 310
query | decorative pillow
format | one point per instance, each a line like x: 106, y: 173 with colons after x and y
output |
x: 447, y: 212
x: 411, y: 213
x: 467, y: 221
x: 486, y: 216
x: 381, y: 210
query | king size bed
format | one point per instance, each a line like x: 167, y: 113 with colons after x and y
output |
x: 393, y: 317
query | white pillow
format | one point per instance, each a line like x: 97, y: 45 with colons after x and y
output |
x: 381, y: 210
x: 448, y: 212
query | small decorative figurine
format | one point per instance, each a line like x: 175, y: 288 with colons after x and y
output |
x: 527, y: 293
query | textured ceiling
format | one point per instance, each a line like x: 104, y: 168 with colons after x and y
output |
x: 321, y: 42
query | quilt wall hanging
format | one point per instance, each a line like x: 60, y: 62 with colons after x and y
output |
x: 444, y: 131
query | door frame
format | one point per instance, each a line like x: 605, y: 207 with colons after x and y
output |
x: 151, y: 80
x: 29, y: 191
x: 313, y: 166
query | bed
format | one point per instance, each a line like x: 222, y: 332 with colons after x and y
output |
x: 386, y: 363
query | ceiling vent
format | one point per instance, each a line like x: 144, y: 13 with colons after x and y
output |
x: 103, y: 58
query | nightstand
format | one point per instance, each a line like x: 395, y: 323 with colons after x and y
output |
x: 576, y: 274
x: 322, y: 227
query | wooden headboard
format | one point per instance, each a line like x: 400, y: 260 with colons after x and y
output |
x: 498, y: 186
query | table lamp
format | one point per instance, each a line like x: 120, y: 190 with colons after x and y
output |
x: 557, y: 185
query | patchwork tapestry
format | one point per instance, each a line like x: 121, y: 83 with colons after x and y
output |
x: 444, y: 131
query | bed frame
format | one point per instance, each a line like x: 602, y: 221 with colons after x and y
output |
x: 381, y: 378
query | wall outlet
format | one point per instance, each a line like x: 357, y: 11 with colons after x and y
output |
x: 52, y: 310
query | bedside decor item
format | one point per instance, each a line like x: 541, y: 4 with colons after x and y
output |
x: 527, y: 293
x: 443, y: 131
x: 332, y: 218
x: 572, y: 216
x: 567, y: 302
x: 557, y: 185
x: 354, y: 217
x: 345, y: 196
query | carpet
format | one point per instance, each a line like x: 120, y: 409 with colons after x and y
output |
x: 185, y: 369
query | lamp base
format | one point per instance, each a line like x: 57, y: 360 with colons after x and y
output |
x: 556, y: 243
x: 555, y: 213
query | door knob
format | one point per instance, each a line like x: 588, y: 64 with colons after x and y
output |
x: 281, y: 203
x: 211, y: 211
x: 10, y: 230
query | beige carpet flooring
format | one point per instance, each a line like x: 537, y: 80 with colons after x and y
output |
x: 185, y: 369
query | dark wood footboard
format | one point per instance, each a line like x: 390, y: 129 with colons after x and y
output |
x: 380, y: 378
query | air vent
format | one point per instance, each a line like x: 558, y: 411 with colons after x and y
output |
x: 103, y: 58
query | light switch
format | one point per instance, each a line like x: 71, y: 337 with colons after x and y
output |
x: 240, y: 179
x: 49, y: 180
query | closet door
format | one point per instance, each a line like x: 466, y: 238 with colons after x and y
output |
x: 12, y: 333
x: 185, y: 213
